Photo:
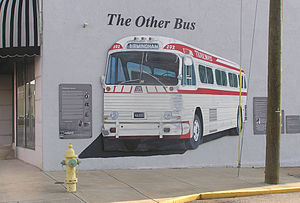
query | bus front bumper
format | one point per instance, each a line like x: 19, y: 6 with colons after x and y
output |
x: 144, y: 130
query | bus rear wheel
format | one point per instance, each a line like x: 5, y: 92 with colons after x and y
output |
x: 197, y: 134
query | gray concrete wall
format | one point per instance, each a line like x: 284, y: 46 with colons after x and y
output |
x: 73, y: 54
x: 6, y: 110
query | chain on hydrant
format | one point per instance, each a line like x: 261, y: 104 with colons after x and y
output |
x: 71, y: 162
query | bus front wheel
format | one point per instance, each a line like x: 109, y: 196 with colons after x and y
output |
x: 197, y: 134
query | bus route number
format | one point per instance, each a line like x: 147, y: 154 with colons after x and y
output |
x: 117, y: 46
x: 170, y: 46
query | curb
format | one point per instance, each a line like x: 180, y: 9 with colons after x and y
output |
x: 273, y: 189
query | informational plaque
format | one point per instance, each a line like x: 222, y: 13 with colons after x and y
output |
x: 75, y: 111
x: 292, y: 124
x: 260, y: 111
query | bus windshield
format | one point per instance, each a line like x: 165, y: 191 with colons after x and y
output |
x: 142, y: 68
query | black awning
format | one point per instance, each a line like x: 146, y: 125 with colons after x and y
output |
x: 19, y: 28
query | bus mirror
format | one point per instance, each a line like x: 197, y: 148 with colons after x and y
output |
x: 102, y: 81
x: 187, y: 61
x: 179, y: 77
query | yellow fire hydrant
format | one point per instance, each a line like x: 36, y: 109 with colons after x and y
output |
x: 71, y: 162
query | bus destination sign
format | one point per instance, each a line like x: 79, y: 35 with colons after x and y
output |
x: 142, y: 46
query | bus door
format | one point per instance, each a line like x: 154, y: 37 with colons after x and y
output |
x: 188, y: 81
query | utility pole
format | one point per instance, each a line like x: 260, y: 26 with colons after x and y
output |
x: 274, y: 93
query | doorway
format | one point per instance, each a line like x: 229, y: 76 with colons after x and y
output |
x: 6, y: 109
x: 17, y: 105
x: 25, y: 104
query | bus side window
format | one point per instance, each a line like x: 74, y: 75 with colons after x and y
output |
x: 235, y: 81
x: 224, y: 78
x: 231, y: 82
x: 221, y: 77
x: 202, y: 74
x: 245, y: 84
x: 241, y: 82
x: 218, y: 77
x: 188, y: 75
x: 210, y: 77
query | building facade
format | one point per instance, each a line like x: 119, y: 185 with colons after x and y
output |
x: 49, y: 48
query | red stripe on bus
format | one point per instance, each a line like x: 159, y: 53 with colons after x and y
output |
x: 147, y: 89
x: 157, y: 92
x: 165, y: 89
x: 211, y: 91
x: 114, y: 91
x: 197, y: 91
x: 199, y: 55
x: 129, y: 91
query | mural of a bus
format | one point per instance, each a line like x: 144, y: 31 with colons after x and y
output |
x: 161, y: 88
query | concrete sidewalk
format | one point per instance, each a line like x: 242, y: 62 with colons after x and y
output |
x: 21, y: 182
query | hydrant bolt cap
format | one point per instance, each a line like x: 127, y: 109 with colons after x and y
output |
x: 72, y: 163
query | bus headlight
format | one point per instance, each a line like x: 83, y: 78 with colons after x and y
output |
x: 104, y: 131
x: 168, y: 115
x: 114, y: 115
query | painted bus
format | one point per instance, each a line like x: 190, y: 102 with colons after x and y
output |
x: 161, y: 88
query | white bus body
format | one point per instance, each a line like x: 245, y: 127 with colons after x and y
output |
x: 158, y: 87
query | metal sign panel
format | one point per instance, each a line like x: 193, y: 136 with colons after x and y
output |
x: 260, y: 111
x: 260, y: 115
x: 293, y: 124
x: 75, y: 111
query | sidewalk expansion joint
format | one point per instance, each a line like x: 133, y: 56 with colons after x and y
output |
x: 264, y: 190
x: 55, y: 182
x: 186, y: 182
x: 130, y: 186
